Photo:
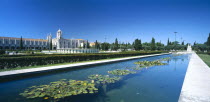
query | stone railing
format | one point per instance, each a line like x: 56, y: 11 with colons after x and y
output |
x: 75, y: 50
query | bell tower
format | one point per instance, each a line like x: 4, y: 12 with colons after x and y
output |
x: 59, y: 34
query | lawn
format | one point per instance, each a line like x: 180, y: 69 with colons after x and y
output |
x: 205, y: 58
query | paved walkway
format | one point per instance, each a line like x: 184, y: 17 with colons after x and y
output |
x: 14, y: 72
x: 196, y: 86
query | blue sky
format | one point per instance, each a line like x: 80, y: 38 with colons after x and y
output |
x: 95, y: 19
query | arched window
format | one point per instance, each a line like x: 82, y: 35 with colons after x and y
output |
x: 69, y: 45
x: 64, y: 44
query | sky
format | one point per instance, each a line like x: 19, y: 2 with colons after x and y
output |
x: 99, y: 19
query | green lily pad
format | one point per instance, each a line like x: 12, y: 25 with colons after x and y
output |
x: 104, y: 79
x: 60, y: 89
x: 121, y: 72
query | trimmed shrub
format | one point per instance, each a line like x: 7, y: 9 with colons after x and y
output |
x: 35, y: 60
x: 2, y: 52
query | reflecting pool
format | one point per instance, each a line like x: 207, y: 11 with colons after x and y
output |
x: 153, y: 84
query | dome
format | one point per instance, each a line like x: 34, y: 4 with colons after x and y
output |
x: 59, y: 30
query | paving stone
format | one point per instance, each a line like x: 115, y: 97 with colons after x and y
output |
x: 196, y: 86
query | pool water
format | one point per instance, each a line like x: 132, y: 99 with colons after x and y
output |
x: 154, y: 84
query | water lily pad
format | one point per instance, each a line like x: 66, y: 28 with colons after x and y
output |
x: 149, y: 63
x: 165, y: 59
x: 103, y: 79
x: 121, y: 72
x: 60, y: 89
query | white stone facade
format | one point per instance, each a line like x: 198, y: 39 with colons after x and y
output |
x: 76, y: 50
x: 11, y: 43
x: 60, y: 43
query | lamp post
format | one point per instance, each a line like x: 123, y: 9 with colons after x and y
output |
x: 105, y: 38
x: 175, y: 40
x: 181, y: 40
x: 175, y: 37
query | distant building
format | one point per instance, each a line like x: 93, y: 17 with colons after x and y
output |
x: 92, y: 44
x: 59, y: 42
x: 12, y: 43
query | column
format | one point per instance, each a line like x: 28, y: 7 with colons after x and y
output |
x: 9, y: 44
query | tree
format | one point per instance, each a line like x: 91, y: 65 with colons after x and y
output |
x: 208, y: 41
x: 21, y: 43
x: 137, y: 44
x: 140, y: 45
x: 105, y: 46
x: 153, y: 47
x: 168, y: 43
x: 112, y: 46
x: 116, y: 45
x: 50, y: 45
x: 130, y: 46
x: 88, y: 44
x: 97, y: 46
x: 160, y: 46
x: 183, y: 43
x: 200, y: 47
x: 146, y: 46
x: 175, y: 43
x: 194, y: 43
x: 84, y: 44
x: 124, y: 46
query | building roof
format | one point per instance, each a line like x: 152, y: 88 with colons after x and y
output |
x: 79, y: 39
x: 13, y: 38
x: 92, y: 44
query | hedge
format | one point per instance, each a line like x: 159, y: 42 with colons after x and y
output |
x: 24, y: 61
x: 2, y: 52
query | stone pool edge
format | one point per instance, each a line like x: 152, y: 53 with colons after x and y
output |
x: 31, y: 70
x: 196, y: 86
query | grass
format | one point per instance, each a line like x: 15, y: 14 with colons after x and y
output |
x: 205, y: 58
x: 18, y: 68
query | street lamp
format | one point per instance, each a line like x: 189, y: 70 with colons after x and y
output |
x: 181, y: 40
x: 175, y: 41
x: 175, y: 37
